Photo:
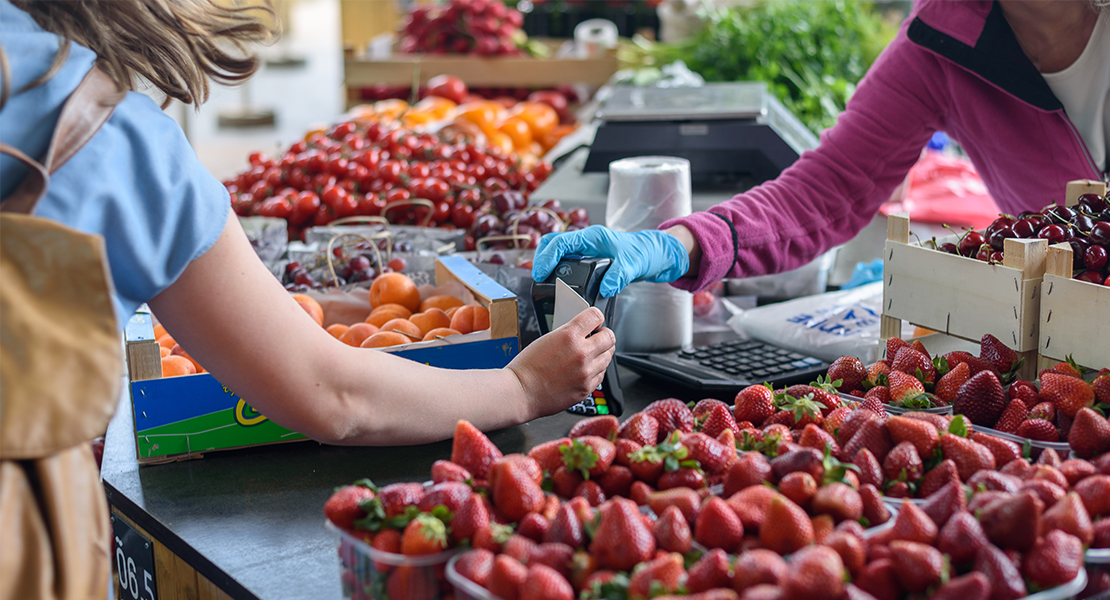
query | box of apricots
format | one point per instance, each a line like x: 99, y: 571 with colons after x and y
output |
x: 181, y: 411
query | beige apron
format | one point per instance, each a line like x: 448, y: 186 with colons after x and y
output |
x: 60, y: 373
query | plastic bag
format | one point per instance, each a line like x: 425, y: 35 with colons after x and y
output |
x: 944, y: 189
x: 827, y: 326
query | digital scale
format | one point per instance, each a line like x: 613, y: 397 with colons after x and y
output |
x: 583, y: 276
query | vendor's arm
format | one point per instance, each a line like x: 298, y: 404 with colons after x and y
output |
x: 830, y: 193
x: 235, y: 318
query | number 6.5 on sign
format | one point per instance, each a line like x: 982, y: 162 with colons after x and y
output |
x: 134, y: 558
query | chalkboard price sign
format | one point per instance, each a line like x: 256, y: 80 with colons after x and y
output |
x: 134, y: 556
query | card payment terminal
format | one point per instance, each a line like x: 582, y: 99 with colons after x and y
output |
x: 583, y: 275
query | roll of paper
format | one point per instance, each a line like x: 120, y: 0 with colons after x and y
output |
x: 653, y: 317
x: 645, y: 191
x: 594, y: 37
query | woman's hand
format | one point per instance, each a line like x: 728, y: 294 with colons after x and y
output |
x: 648, y: 255
x: 565, y: 366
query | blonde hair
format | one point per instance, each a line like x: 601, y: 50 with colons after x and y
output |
x: 176, y: 45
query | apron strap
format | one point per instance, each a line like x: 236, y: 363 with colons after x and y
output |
x: 86, y: 109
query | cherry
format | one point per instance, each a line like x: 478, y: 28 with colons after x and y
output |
x: 1078, y: 251
x: 303, y: 278
x: 1092, y: 203
x: 1100, y: 233
x: 1083, y: 223
x: 970, y: 243
x: 997, y: 238
x: 1106, y: 282
x: 496, y: 258
x: 359, y: 263
x: 984, y: 253
x: 949, y: 247
x: 1094, y: 257
x: 1053, y: 233
x: 397, y: 264
x: 996, y: 257
x: 1090, y: 276
x: 1060, y: 214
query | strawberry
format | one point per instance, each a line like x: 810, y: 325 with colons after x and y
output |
x: 711, y: 571
x: 533, y: 526
x: 1004, y: 578
x: 472, y: 450
x: 1064, y: 423
x: 475, y: 565
x: 981, y: 399
x: 824, y: 394
x: 469, y: 518
x: 814, y: 572
x: 871, y: 435
x: 1050, y: 458
x: 553, y: 555
x: 918, y: 566
x: 387, y: 540
x: 1043, y: 410
x: 702, y: 409
x: 920, y: 347
x: 713, y: 456
x: 672, y: 415
x: 625, y: 449
x: 641, y: 428
x: 903, y: 463
x: 1069, y: 394
x: 718, y: 526
x: 603, y: 426
x: 849, y: 370
x: 621, y: 540
x: 816, y: 437
x: 672, y: 532
x: 506, y: 578
x: 445, y: 470
x: 757, y: 566
x: 879, y: 580
x: 718, y: 420
x: 754, y: 403
x: 1070, y: 516
x: 1025, y: 391
x: 686, y: 500
x: 1090, y: 434
x: 566, y: 528
x: 835, y: 419
x: 968, y: 455
x: 665, y: 573
x: 752, y: 468
x: 451, y: 494
x: 870, y: 471
x: 1047, y: 492
x: 799, y: 487
x: 999, y: 519
x: 974, y: 363
x: 514, y: 492
x: 850, y: 548
x: 961, y: 537
x: 685, y: 477
x: 852, y: 423
x: 1074, y: 470
x: 893, y: 345
x: 808, y: 460
x: 937, y: 477
x: 778, y: 431
x: 950, y: 383
x: 544, y: 583
x: 424, y: 535
x: 1068, y: 367
x: 1039, y: 429
x: 923, y: 436
x: 877, y: 374
x: 838, y: 500
x: 589, y: 455
x: 898, y: 489
x: 943, y: 503
x: 396, y: 497
x: 1012, y: 417
x: 565, y: 482
x: 548, y: 454
x: 912, y: 362
x: 1055, y: 560
x: 875, y: 400
x: 408, y: 581
x: 973, y: 586
x: 911, y: 524
x: 786, y: 527
x: 344, y: 507
x: 1101, y: 387
x: 751, y: 504
x: 518, y: 547
x: 1000, y: 356
x: 591, y: 491
x: 617, y: 481
x: 1004, y: 451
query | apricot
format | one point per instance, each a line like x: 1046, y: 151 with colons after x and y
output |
x: 404, y: 327
x: 432, y: 318
x: 175, y: 365
x: 357, y: 333
x: 312, y: 307
x: 441, y: 302
x: 164, y: 351
x: 394, y: 288
x: 177, y: 350
x: 471, y: 317
x: 438, y: 333
x: 166, y: 341
x: 381, y: 317
x: 385, y: 338
x: 395, y: 308
x: 337, y: 330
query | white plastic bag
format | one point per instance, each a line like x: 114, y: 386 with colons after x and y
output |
x: 827, y: 326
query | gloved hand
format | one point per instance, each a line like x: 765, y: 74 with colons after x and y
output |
x: 648, y: 255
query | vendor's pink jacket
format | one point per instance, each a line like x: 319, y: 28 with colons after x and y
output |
x: 956, y: 67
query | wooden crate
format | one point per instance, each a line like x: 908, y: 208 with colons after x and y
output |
x: 1075, y: 315
x: 964, y: 297
x: 479, y: 71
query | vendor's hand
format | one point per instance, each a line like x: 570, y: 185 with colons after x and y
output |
x: 565, y: 366
x: 648, y: 255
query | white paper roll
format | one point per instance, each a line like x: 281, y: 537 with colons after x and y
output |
x: 653, y: 317
x: 645, y: 191
x: 594, y: 37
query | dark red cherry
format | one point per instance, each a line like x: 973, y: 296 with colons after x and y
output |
x: 970, y: 243
x: 1094, y: 258
x: 1053, y: 233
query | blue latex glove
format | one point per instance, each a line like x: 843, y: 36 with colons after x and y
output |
x: 648, y: 255
x: 865, y: 273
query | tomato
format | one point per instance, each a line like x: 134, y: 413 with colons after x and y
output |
x: 436, y: 190
x: 417, y: 187
x: 322, y: 180
x: 518, y: 131
x: 468, y: 196
x: 578, y: 216
x: 448, y: 86
x: 272, y: 176
x: 493, y: 185
x: 478, y: 172
x: 462, y: 215
x: 304, y: 208
x: 261, y: 190
x: 419, y: 170
x: 371, y: 204
x: 322, y: 217
x: 347, y: 206
x: 397, y: 195
x: 355, y: 141
x: 442, y: 212
x: 298, y: 147
x: 390, y: 171
x: 337, y: 165
x: 443, y: 151
x: 542, y: 170
x: 256, y: 159
x: 317, y: 162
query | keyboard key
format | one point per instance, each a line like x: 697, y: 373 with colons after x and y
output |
x: 795, y: 356
x: 811, y: 361
x: 761, y: 373
x: 773, y: 370
x: 799, y: 364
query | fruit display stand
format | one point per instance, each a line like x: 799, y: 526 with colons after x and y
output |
x: 1070, y: 324
x: 964, y: 297
x: 184, y: 417
x: 476, y: 71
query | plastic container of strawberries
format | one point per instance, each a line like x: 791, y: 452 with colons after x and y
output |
x: 1070, y: 589
x: 1061, y: 448
x: 899, y: 410
x: 366, y: 572
x: 1097, y: 556
x: 465, y: 589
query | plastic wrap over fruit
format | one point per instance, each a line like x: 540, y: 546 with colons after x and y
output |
x: 826, y: 326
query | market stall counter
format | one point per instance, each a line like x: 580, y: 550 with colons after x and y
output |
x: 249, y: 523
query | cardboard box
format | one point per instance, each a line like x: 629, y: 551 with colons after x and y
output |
x: 178, y: 418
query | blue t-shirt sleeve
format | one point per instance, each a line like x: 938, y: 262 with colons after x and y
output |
x: 139, y: 184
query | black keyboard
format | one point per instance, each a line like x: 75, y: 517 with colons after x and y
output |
x: 728, y: 366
